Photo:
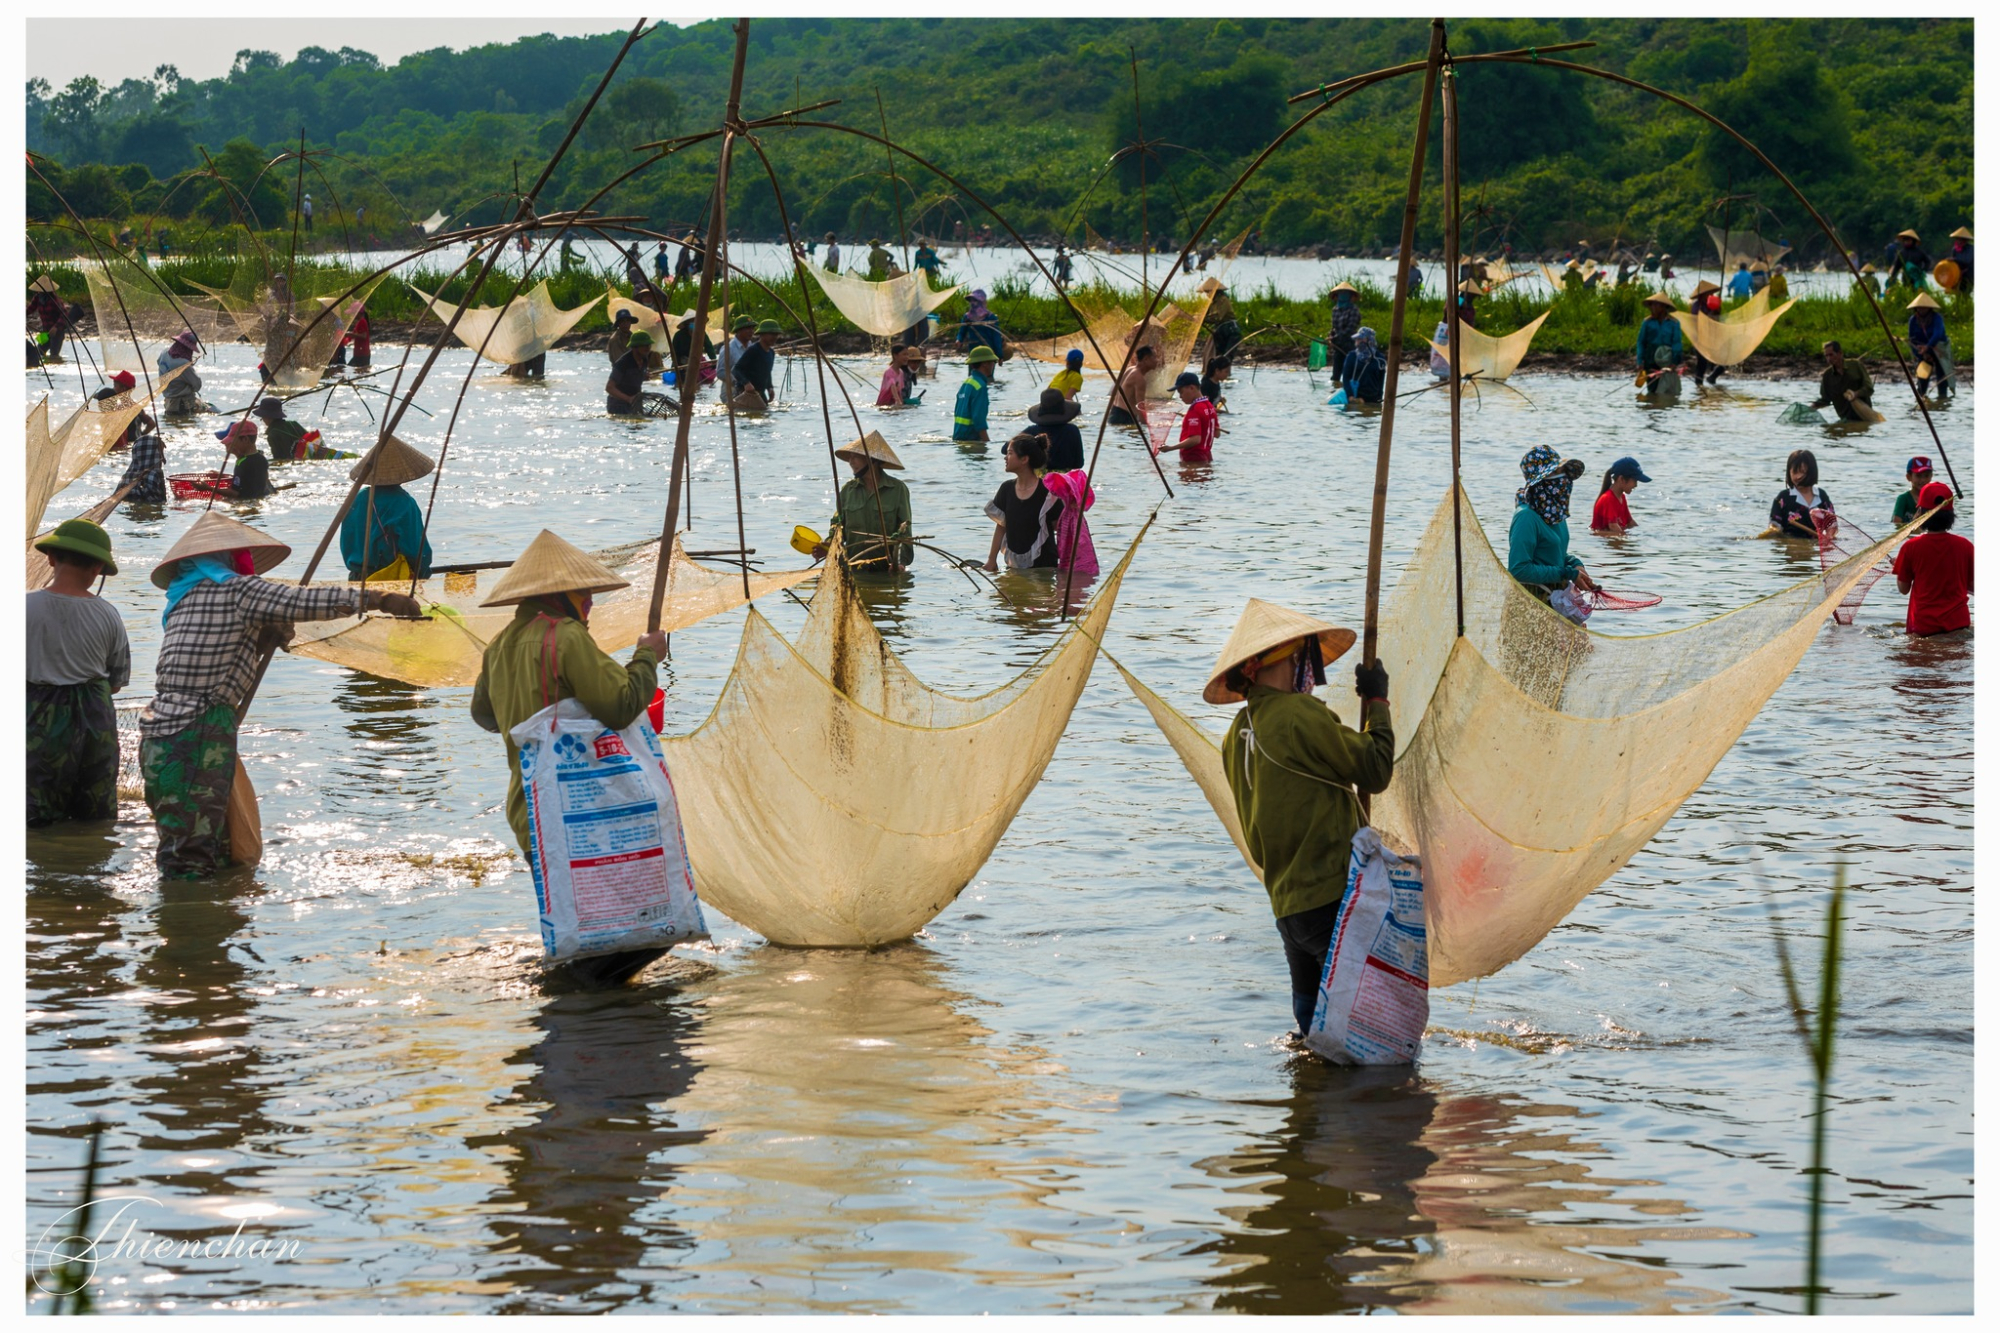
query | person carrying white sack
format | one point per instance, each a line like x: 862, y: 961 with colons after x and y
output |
x: 1297, y: 773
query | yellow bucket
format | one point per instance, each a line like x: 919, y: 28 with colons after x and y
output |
x: 804, y: 540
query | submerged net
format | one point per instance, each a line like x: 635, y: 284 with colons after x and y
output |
x: 448, y: 648
x: 882, y: 308
x: 130, y: 304
x: 509, y: 334
x: 281, y: 316
x: 1487, y: 358
x: 833, y: 799
x: 664, y: 327
x: 1839, y: 539
x: 1544, y: 756
x: 1729, y: 342
x: 1738, y: 246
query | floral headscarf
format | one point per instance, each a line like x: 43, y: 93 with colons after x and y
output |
x: 1548, y: 488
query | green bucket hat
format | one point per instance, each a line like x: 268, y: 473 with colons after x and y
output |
x: 979, y: 356
x: 640, y: 339
x: 743, y: 322
x: 769, y: 326
x: 80, y: 536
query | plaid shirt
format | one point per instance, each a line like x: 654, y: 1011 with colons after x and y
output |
x: 146, y: 473
x: 208, y: 654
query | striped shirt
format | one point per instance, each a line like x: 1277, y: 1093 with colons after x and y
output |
x: 208, y: 654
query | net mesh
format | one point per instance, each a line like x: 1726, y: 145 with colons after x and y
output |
x: 1754, y: 307
x: 449, y: 647
x: 1737, y: 246
x: 883, y: 308
x: 281, y: 315
x: 57, y: 457
x: 812, y: 794
x: 1484, y: 357
x: 1729, y: 342
x: 1839, y: 540
x: 664, y: 327
x: 518, y: 331
x: 130, y: 305
x: 1544, y: 756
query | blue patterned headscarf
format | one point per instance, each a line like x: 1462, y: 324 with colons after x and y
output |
x: 1548, y: 488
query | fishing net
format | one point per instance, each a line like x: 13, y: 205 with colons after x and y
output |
x: 1554, y: 276
x: 1840, y: 540
x: 1536, y: 757
x: 1727, y: 342
x: 282, y: 317
x: 664, y: 327
x: 55, y: 458
x: 509, y: 334
x: 1173, y: 330
x: 1601, y: 600
x: 130, y: 304
x: 449, y: 646
x: 38, y: 570
x: 1737, y: 246
x: 883, y: 308
x: 1754, y: 307
x: 433, y: 222
x: 833, y: 799
x: 1488, y: 358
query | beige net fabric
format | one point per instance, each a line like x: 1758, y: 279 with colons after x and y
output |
x: 281, y: 316
x: 1171, y: 329
x: 833, y: 799
x: 448, y: 648
x: 1487, y: 358
x: 129, y: 304
x: 518, y: 331
x: 1542, y: 756
x: 883, y: 308
x: 1729, y: 342
x: 1745, y: 247
x: 1554, y: 276
x: 663, y: 328
x: 1755, y: 307
x: 57, y: 457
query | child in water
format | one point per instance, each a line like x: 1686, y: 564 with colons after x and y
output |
x: 1935, y: 569
x: 1792, y: 510
x: 1611, y: 516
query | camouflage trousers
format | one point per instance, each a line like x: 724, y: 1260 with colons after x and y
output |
x: 188, y: 775
x: 72, y: 752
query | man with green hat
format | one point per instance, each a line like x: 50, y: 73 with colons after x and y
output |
x: 968, y: 424
x: 743, y: 333
x: 752, y: 372
x: 77, y: 658
x: 628, y: 377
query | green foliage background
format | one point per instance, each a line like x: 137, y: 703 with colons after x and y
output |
x: 1873, y: 117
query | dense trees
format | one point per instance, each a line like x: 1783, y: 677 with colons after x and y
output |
x: 1874, y: 117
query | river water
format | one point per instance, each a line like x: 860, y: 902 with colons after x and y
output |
x: 1069, y: 1093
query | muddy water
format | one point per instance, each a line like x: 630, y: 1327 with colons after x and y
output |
x: 1068, y: 1093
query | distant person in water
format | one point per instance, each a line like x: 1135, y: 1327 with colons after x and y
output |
x: 1792, y: 511
x: 1611, y: 516
x: 1845, y: 385
x: 1213, y: 376
x: 1054, y: 419
x: 1068, y: 381
x: 1023, y: 510
x: 1934, y: 568
x: 1199, y: 426
x: 1918, y: 473
x: 1538, y: 553
x: 1365, y: 370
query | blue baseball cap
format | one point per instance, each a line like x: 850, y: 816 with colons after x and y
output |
x: 1075, y: 357
x: 1629, y: 467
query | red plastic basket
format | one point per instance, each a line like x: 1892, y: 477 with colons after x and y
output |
x: 193, y: 485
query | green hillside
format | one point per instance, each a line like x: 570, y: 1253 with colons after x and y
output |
x: 1872, y: 117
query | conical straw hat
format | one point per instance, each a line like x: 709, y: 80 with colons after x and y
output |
x: 394, y: 463
x: 1962, y: 234
x: 1924, y: 301
x: 45, y: 283
x: 1262, y: 627
x: 212, y: 534
x: 552, y: 565
x: 1704, y: 287
x: 871, y: 445
x: 1661, y: 298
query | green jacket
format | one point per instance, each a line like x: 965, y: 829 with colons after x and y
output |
x: 511, y: 685
x: 864, y: 518
x: 1295, y: 790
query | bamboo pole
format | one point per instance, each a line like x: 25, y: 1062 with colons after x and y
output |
x: 690, y: 372
x: 1454, y: 344
x: 895, y: 183
x: 1379, y: 512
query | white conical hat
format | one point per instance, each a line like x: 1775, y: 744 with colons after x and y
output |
x: 1924, y: 301
x: 212, y: 534
x: 45, y: 283
x: 393, y: 464
x: 1262, y: 627
x: 552, y: 565
x: 871, y: 445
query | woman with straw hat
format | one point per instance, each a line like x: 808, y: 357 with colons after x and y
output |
x: 1345, y: 322
x: 872, y: 511
x: 384, y: 523
x: 1659, y: 341
x: 77, y: 657
x: 1705, y: 301
x: 1297, y: 773
x: 1931, y: 345
x: 220, y: 615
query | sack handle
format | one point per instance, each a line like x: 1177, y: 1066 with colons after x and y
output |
x: 549, y: 671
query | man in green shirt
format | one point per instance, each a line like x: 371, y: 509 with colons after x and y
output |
x: 281, y: 433
x: 1843, y: 384
x: 1295, y: 769
x: 1919, y: 473
x: 872, y: 509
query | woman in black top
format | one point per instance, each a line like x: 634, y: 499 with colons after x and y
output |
x: 1213, y: 376
x: 1054, y: 420
x: 1023, y: 512
x: 1791, y: 512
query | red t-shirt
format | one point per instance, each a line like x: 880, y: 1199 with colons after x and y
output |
x: 1939, y: 568
x: 1201, y: 424
x: 1610, y: 509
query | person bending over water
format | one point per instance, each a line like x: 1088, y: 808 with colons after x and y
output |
x: 1538, y: 539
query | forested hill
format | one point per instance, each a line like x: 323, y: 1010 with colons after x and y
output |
x: 1873, y: 118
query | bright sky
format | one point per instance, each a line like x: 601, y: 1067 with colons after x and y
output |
x: 115, y: 49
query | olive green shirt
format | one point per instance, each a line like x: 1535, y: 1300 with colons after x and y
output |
x: 1295, y: 793
x: 513, y: 682
x: 865, y: 517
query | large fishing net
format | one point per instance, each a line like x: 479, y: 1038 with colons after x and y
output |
x: 834, y: 799
x: 1737, y: 246
x: 1536, y: 757
x: 1840, y: 539
x: 663, y: 327
x: 1172, y: 330
x: 296, y: 318
x: 882, y: 308
x: 55, y: 458
x: 509, y: 334
x: 131, y: 305
x: 1486, y: 358
x: 1729, y: 342
x: 449, y: 646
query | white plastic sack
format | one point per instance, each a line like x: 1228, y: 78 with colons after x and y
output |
x: 1570, y: 603
x: 1375, y: 996
x: 604, y: 835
